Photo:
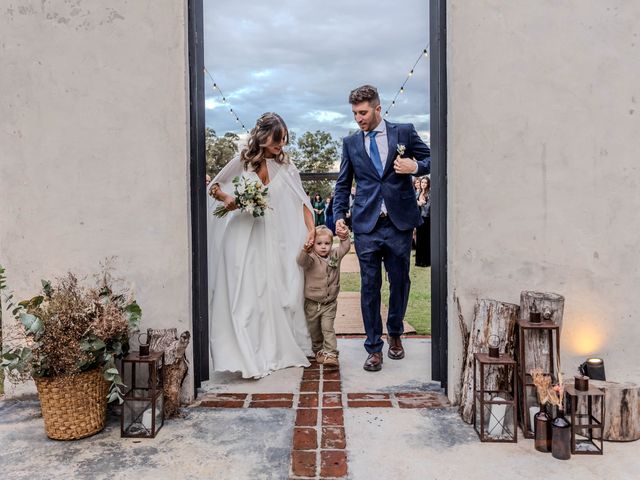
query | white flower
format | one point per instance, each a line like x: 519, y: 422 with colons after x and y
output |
x: 401, y: 148
x: 249, y: 209
x: 240, y: 190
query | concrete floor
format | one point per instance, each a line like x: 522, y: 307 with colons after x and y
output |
x: 256, y: 443
x: 206, y: 444
x: 437, y: 445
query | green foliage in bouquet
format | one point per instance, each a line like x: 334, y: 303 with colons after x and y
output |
x: 70, y: 328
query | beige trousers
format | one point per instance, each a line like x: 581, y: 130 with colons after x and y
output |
x: 320, y: 318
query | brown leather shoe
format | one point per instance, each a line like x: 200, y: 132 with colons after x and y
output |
x: 373, y: 362
x: 396, y: 350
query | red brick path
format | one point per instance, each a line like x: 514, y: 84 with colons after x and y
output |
x: 319, y: 440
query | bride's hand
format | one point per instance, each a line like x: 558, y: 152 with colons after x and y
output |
x: 230, y: 202
x: 311, y: 239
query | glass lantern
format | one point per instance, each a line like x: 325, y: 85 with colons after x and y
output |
x: 143, y: 407
x: 494, y: 406
x: 586, y: 408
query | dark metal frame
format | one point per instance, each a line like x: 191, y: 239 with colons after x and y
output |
x: 200, y: 322
x: 438, y: 111
x: 583, y: 418
x: 505, y: 361
x: 525, y: 382
x: 439, y: 294
x: 151, y: 365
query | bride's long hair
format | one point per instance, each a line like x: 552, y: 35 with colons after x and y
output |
x: 269, y: 126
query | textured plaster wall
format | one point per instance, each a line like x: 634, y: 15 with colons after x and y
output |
x: 543, y: 170
x: 94, y: 147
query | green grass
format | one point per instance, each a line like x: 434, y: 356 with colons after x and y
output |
x: 419, y: 308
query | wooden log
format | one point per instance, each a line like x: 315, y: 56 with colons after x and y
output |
x: 551, y: 307
x: 176, y: 366
x: 491, y: 317
x: 621, y: 410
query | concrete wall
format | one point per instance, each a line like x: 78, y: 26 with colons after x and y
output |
x: 94, y: 158
x: 544, y: 178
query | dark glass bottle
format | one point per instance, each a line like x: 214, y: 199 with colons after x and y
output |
x: 542, y: 430
x: 561, y: 437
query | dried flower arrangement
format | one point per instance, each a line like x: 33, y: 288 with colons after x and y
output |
x: 547, y: 391
x: 70, y: 328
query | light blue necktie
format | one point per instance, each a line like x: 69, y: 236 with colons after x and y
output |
x: 374, y: 153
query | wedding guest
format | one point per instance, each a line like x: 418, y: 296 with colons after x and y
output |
x: 208, y: 178
x: 321, y: 265
x: 329, y: 221
x: 318, y: 207
x: 423, y: 232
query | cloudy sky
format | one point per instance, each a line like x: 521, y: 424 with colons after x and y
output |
x: 301, y: 58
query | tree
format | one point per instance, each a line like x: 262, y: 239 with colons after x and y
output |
x: 219, y: 150
x: 315, y: 152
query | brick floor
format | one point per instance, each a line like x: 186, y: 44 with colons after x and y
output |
x: 319, y: 439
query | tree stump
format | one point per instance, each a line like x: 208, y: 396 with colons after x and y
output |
x: 491, y: 317
x: 621, y: 410
x: 551, y: 307
x: 175, y: 369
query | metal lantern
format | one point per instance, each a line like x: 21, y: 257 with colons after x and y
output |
x: 494, y: 408
x: 142, y: 410
x: 547, y: 356
x: 585, y: 405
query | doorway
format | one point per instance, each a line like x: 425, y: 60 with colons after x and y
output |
x: 438, y: 104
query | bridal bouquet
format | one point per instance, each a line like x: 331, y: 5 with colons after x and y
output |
x: 251, y: 197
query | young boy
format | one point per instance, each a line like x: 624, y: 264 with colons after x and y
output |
x: 321, y: 265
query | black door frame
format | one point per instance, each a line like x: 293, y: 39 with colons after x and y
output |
x: 438, y: 118
x: 199, y: 275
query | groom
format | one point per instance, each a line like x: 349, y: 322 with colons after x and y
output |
x: 381, y: 160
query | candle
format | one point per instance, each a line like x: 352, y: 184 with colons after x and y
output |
x: 581, y: 383
x: 496, y: 419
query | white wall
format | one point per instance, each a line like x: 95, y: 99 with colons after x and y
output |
x: 94, y: 157
x: 543, y: 167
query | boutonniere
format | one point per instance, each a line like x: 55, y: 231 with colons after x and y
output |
x: 333, y: 262
x: 401, y: 148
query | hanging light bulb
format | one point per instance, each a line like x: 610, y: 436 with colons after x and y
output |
x: 411, y: 73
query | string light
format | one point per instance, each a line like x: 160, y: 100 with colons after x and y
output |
x: 216, y: 88
x: 425, y: 53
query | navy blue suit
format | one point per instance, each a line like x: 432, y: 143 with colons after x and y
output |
x: 381, y: 239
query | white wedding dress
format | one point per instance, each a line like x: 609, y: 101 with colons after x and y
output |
x: 256, y: 288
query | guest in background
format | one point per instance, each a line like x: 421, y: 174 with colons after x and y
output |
x: 319, y: 208
x: 330, y: 222
x: 423, y: 232
x: 416, y: 185
x: 208, y: 178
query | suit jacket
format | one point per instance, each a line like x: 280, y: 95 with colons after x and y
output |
x: 396, y: 189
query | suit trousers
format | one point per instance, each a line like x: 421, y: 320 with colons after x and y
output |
x: 384, y: 244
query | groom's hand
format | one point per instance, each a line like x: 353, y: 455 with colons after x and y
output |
x: 405, y: 166
x: 342, y: 230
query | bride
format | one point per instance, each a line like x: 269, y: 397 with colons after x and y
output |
x: 256, y: 302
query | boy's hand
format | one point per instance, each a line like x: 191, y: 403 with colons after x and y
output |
x: 342, y: 230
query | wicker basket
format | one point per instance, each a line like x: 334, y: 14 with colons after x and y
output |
x: 73, y: 406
